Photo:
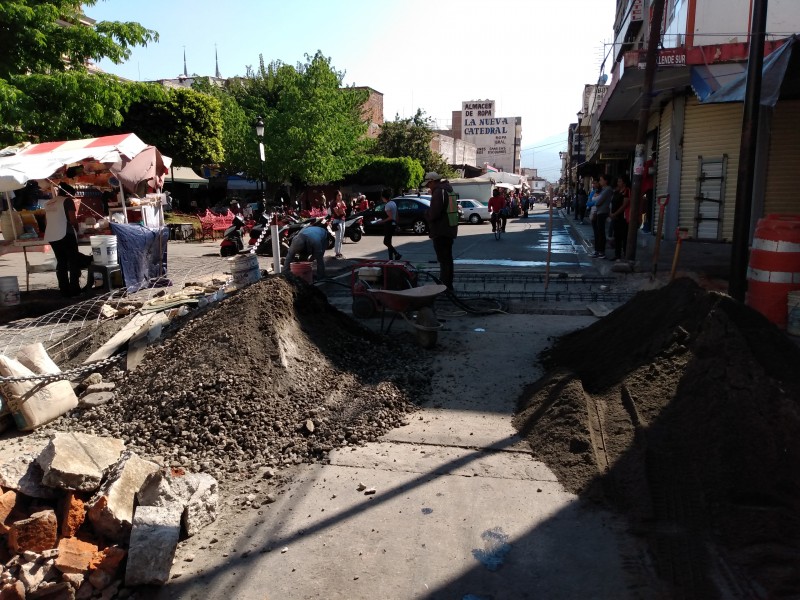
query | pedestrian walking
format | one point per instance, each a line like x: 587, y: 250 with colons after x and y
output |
x: 602, y: 204
x: 389, y: 224
x: 338, y: 218
x: 620, y: 215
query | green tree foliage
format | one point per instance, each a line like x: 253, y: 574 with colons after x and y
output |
x: 411, y: 137
x: 397, y: 173
x: 45, y: 91
x: 314, y: 130
x: 186, y: 125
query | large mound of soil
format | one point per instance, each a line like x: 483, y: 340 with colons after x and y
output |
x: 682, y: 408
x: 271, y: 376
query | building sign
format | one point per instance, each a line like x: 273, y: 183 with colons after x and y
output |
x: 493, y: 136
x: 671, y: 57
x: 637, y: 12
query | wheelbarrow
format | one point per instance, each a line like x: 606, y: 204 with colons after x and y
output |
x: 405, y: 303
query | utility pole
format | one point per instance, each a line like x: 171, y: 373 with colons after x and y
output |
x: 641, y: 134
x: 737, y: 284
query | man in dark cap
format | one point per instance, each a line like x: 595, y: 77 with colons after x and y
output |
x: 442, y: 217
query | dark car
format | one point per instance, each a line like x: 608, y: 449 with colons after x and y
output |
x: 410, y: 215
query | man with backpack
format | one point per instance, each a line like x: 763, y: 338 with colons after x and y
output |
x: 442, y: 218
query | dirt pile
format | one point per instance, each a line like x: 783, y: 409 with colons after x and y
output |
x: 682, y: 408
x: 271, y: 376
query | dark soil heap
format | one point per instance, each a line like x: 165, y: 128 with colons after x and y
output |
x: 682, y: 408
x: 271, y: 376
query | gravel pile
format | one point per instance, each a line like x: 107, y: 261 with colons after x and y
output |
x: 272, y: 376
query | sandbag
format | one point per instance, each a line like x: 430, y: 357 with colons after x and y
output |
x: 33, y: 404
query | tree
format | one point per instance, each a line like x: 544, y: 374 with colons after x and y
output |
x: 45, y: 90
x: 186, y: 125
x: 411, y: 137
x: 397, y: 173
x: 314, y: 129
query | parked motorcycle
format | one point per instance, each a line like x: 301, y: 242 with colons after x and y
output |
x: 354, y: 228
x: 232, y: 242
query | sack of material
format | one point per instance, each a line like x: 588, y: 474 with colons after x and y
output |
x: 33, y: 403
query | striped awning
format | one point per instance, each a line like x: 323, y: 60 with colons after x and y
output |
x: 19, y: 164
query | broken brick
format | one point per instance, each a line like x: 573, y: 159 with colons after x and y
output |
x: 7, y: 503
x: 13, y: 591
x: 73, y: 513
x: 108, y: 559
x: 37, y: 533
x: 74, y: 555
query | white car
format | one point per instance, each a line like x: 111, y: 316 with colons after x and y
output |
x: 473, y: 211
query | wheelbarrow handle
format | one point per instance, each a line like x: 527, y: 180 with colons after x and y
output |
x: 663, y: 200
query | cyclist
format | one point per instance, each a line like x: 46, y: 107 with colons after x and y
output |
x: 498, y: 210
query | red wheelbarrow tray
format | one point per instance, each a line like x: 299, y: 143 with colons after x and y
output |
x: 410, y: 299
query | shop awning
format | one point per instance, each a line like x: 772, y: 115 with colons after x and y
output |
x: 775, y: 71
x: 707, y: 79
x: 19, y: 164
x: 184, y: 175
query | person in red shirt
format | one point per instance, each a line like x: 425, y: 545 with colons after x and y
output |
x: 363, y: 203
x: 497, y: 205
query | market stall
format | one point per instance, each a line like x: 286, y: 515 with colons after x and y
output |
x: 114, y: 179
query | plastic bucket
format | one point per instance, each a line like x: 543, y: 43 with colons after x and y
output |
x: 793, y: 313
x: 244, y: 269
x: 302, y: 270
x: 104, y: 249
x: 9, y: 291
x: 774, y: 268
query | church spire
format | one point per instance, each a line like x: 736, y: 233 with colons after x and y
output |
x: 216, y: 60
x: 185, y: 72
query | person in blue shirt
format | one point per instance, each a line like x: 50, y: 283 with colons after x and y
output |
x: 313, y: 240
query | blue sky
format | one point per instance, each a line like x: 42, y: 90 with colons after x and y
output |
x: 531, y: 56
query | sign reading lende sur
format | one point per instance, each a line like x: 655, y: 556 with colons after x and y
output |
x: 493, y: 136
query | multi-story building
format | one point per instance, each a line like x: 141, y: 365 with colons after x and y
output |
x: 693, y: 140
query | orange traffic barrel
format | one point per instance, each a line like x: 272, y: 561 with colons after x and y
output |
x: 774, y: 268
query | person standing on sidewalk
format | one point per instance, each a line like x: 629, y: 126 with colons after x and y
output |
x: 339, y: 216
x: 389, y: 224
x: 602, y: 204
x: 620, y: 213
x: 61, y: 233
x: 442, y: 217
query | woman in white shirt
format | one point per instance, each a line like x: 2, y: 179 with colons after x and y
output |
x: 61, y: 234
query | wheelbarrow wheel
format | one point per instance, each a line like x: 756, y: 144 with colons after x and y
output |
x: 426, y: 318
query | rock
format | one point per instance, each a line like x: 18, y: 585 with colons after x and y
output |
x: 270, y: 498
x: 100, y: 580
x: 19, y: 470
x: 77, y: 461
x: 196, y: 493
x: 110, y: 591
x: 37, y: 533
x: 154, y: 539
x: 74, y: 555
x: 13, y: 591
x: 361, y: 487
x: 96, y: 399
x: 73, y: 514
x: 310, y: 426
x: 55, y: 591
x: 111, y: 509
x: 92, y: 379
x: 105, y: 386
x: 269, y: 474
x: 85, y: 591
x: 74, y: 579
x: 7, y: 502
x: 370, y: 491
x: 34, y: 574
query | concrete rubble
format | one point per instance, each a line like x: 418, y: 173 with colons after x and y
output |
x: 80, y: 532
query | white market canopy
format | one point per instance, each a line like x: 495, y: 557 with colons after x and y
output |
x: 22, y: 163
x: 184, y: 175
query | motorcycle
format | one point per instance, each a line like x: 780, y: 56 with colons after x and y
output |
x: 354, y: 228
x: 232, y: 242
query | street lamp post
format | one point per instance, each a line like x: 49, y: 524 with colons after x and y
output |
x: 259, y: 127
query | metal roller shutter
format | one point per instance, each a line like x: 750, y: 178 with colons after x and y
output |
x: 781, y: 195
x: 710, y: 131
x: 662, y: 162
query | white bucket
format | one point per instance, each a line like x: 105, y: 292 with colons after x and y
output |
x: 244, y: 269
x: 104, y: 249
x: 9, y: 291
x: 793, y: 320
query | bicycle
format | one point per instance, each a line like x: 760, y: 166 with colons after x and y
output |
x: 498, y: 224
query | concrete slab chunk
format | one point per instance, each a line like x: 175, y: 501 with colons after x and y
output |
x: 196, y: 493
x: 154, y: 538
x: 111, y: 509
x: 19, y: 470
x: 96, y: 398
x: 77, y: 461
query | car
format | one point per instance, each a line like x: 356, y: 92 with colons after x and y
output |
x: 410, y: 215
x: 473, y: 211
